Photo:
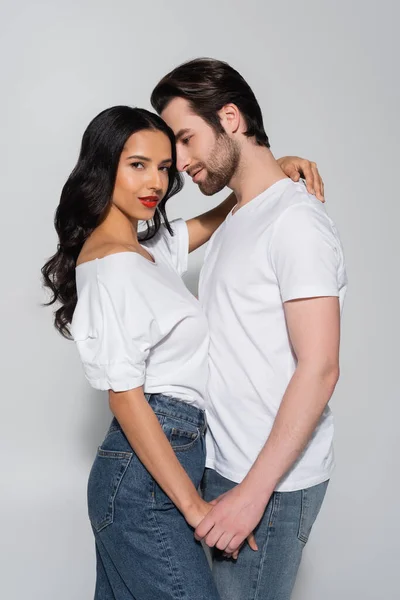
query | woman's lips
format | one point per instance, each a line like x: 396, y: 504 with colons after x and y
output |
x: 149, y: 201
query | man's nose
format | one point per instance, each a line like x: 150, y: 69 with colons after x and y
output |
x: 182, y: 159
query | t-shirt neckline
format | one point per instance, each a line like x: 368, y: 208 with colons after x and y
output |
x: 94, y: 260
x: 262, y: 196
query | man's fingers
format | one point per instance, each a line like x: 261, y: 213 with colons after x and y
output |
x: 251, y: 540
x: 223, y: 541
x: 203, y: 528
x: 235, y: 554
x: 213, y: 536
x: 235, y: 544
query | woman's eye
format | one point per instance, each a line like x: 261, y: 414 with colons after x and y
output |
x: 165, y: 169
x: 137, y: 165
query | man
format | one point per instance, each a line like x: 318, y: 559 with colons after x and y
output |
x: 272, y: 287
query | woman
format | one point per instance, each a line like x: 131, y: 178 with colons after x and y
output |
x: 142, y: 336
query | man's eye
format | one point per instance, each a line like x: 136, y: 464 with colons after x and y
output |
x: 185, y: 140
x: 137, y: 165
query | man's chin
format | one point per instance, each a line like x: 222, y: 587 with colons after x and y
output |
x: 209, y: 190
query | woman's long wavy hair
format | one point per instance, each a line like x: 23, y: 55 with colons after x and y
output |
x: 87, y: 195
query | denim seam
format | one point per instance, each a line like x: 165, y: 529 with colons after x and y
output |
x: 177, y: 586
x: 99, y: 542
x: 274, y: 510
x: 186, y: 446
x: 117, y: 428
x: 153, y: 483
x: 304, y: 505
x: 182, y: 418
x: 109, y: 519
x: 113, y: 453
x: 112, y: 430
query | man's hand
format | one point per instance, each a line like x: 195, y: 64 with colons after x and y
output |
x: 196, y: 512
x: 296, y: 167
x: 232, y: 520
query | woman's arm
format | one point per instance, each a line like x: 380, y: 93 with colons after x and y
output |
x: 296, y: 167
x: 202, y: 227
x: 149, y: 442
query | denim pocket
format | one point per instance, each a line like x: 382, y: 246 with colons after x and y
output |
x: 181, y: 434
x: 105, y: 477
x: 311, y: 502
x: 188, y: 444
x: 182, y: 439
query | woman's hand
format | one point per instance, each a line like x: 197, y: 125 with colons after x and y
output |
x: 296, y: 167
x: 196, y: 512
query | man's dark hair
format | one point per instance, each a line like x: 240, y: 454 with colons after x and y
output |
x: 208, y: 85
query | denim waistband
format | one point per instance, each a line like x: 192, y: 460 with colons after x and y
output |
x: 174, y: 408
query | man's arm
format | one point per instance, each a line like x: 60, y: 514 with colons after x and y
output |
x: 305, y: 258
x: 314, y: 332
x: 203, y: 226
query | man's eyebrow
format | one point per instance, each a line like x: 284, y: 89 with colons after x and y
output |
x: 181, y: 133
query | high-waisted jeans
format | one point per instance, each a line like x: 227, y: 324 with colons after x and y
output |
x: 144, y: 547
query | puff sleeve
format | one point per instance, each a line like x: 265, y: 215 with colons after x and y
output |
x: 113, y: 328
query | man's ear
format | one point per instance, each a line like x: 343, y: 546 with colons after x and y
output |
x: 230, y: 118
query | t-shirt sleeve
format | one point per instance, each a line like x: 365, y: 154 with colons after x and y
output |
x: 305, y: 254
x: 179, y: 245
x: 172, y: 248
x: 112, y: 328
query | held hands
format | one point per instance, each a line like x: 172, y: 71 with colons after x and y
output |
x: 296, y: 167
x: 231, y: 521
x: 197, y: 511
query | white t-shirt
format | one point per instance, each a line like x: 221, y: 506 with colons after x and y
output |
x: 137, y: 324
x: 278, y: 247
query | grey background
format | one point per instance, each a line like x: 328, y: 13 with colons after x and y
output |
x: 326, y: 76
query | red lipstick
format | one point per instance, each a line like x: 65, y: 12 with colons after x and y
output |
x: 149, y: 201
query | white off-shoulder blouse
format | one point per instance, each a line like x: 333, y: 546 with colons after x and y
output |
x: 136, y: 324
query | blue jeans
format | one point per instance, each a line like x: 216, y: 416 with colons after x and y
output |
x: 145, y: 550
x: 281, y: 535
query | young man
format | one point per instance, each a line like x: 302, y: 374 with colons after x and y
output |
x: 272, y: 287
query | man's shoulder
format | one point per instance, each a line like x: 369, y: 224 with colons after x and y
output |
x: 292, y: 204
x: 297, y: 205
x: 295, y: 195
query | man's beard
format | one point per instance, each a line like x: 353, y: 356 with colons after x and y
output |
x: 221, y: 165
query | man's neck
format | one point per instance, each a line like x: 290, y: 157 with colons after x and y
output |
x: 257, y: 171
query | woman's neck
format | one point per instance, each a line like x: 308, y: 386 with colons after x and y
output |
x: 117, y: 226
